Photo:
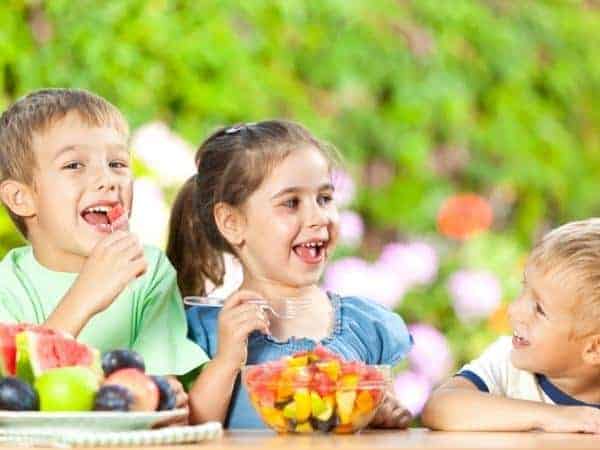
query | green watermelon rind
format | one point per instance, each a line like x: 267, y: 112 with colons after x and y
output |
x: 28, y: 370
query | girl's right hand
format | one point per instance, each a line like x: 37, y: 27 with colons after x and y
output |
x: 237, y: 320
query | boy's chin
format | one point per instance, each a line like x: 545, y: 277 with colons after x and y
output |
x: 522, y: 361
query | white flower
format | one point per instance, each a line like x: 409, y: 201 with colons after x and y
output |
x: 164, y: 152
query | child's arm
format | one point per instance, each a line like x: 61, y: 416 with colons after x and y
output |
x: 211, y: 393
x: 458, y: 405
x: 115, y: 261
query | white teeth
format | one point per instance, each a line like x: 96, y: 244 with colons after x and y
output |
x: 98, y: 209
x: 313, y: 244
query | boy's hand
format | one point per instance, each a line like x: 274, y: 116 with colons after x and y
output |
x: 237, y: 320
x: 573, y: 419
x: 116, y: 260
x: 391, y: 414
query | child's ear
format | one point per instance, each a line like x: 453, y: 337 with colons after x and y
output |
x: 17, y: 197
x: 230, y: 222
x: 591, y: 351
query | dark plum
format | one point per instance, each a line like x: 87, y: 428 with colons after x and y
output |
x: 111, y: 397
x: 166, y: 394
x: 122, y: 359
x: 16, y: 395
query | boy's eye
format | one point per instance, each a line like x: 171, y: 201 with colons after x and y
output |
x: 539, y: 309
x: 324, y: 199
x: 73, y: 165
x: 118, y: 164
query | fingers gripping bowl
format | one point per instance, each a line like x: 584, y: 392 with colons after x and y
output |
x: 316, y: 391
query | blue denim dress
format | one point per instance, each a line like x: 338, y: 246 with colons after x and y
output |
x: 363, y: 331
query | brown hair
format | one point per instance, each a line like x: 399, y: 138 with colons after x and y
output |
x: 572, y: 253
x: 232, y: 164
x: 33, y: 114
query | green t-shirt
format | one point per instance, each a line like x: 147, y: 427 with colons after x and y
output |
x: 147, y: 317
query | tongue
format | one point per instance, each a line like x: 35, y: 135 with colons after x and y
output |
x: 95, y: 218
x: 307, y: 254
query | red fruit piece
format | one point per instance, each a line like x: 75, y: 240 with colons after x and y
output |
x: 144, y: 390
x: 322, y: 353
x: 115, y: 213
x: 323, y: 384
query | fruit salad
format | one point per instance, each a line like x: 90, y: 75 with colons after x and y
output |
x: 316, y: 391
x: 46, y: 370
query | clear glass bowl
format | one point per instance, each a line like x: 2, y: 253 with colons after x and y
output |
x: 324, y: 396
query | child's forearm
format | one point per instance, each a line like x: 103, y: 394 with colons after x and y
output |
x: 457, y: 409
x: 211, y: 393
x: 71, y: 314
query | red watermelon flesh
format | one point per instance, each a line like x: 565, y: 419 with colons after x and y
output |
x: 8, y: 348
x: 37, y: 353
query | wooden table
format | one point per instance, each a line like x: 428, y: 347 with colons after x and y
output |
x: 372, y: 440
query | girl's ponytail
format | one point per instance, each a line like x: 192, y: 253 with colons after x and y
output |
x: 194, y: 259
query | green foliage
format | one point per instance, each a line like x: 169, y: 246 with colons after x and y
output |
x: 512, y: 87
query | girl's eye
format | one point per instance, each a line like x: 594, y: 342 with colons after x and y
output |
x: 73, y: 165
x: 291, y: 203
x: 324, y: 199
x: 118, y: 165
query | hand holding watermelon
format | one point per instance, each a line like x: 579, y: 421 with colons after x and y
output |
x: 116, y: 260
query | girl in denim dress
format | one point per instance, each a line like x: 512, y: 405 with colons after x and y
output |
x: 263, y: 193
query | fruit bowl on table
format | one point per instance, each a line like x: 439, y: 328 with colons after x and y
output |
x: 316, y: 392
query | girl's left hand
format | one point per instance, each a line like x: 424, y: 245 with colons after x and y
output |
x: 391, y: 414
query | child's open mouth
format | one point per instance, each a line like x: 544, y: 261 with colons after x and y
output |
x: 519, y: 341
x: 312, y: 252
x: 105, y: 218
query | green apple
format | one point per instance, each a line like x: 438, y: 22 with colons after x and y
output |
x: 67, y: 389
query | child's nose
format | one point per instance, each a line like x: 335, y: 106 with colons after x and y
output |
x: 317, y: 216
x: 105, y: 180
x: 518, y: 310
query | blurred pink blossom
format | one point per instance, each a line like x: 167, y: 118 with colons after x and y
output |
x: 352, y: 228
x: 416, y: 262
x: 150, y: 214
x: 430, y: 355
x: 412, y: 390
x: 475, y: 294
x: 345, y: 188
x: 167, y: 154
x: 353, y: 276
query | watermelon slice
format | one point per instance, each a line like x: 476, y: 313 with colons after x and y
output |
x: 8, y: 348
x: 115, y: 213
x: 37, y: 353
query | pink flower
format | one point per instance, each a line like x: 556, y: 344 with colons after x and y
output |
x: 164, y: 152
x: 353, y: 276
x: 345, y: 189
x: 430, y: 355
x: 475, y: 294
x: 352, y: 229
x: 415, y: 262
x: 412, y: 390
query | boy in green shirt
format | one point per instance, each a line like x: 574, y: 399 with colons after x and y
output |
x: 65, y: 176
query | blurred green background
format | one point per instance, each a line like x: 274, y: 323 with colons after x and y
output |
x: 426, y: 99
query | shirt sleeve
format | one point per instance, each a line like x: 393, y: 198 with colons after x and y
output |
x: 489, y: 372
x: 6, y: 316
x: 383, y: 332
x: 162, y: 338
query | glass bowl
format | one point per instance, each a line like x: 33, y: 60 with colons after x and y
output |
x: 302, y: 396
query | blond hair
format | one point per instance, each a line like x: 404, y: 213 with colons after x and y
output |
x: 571, y: 252
x: 35, y: 113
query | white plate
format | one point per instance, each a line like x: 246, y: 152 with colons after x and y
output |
x: 87, y: 438
x: 90, y: 420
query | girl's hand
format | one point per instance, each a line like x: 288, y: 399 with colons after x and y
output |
x: 237, y: 320
x: 391, y: 414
